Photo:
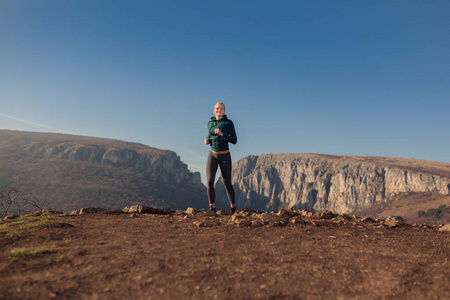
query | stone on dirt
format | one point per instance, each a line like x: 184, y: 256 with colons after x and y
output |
x: 343, y: 217
x: 257, y: 223
x: 325, y: 215
x: 394, y: 218
x: 223, y: 213
x: 244, y: 223
x: 367, y: 220
x: 148, y: 210
x: 284, y: 213
x: 298, y: 220
x: 210, y: 213
x: 200, y: 224
x: 445, y: 228
x: 190, y: 211
x: 236, y: 218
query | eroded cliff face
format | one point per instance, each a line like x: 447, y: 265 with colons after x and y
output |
x: 164, y: 165
x: 319, y: 182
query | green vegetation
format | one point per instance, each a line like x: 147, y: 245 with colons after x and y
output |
x: 432, y: 212
x: 27, y: 223
x: 25, y: 252
x: 283, y: 221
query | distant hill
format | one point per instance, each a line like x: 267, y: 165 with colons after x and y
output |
x: 372, y: 186
x: 70, y: 172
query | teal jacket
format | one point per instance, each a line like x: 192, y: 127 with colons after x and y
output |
x: 217, y: 142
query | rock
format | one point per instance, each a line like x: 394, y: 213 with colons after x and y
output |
x: 246, y: 212
x: 257, y: 223
x: 210, y: 213
x: 307, y: 214
x: 130, y: 209
x: 223, y: 213
x: 343, y: 217
x: 270, y: 219
x: 394, y: 218
x: 284, y: 213
x: 367, y: 220
x: 244, y: 223
x: 445, y: 228
x: 134, y: 209
x: 325, y: 215
x: 297, y: 220
x: 148, y: 210
x: 190, y: 211
x: 200, y: 224
x: 394, y: 221
x: 236, y: 218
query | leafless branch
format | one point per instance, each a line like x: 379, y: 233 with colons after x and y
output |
x: 14, y: 200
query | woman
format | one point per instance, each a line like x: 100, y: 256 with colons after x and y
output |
x: 220, y: 133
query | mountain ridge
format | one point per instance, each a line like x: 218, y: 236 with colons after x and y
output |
x: 70, y: 172
x: 96, y: 171
x: 342, y: 184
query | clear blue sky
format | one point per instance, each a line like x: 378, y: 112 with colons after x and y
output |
x: 335, y: 77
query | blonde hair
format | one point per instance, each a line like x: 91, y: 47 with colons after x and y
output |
x: 220, y: 103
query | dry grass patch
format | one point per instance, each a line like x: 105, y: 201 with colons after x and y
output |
x: 16, y: 254
x: 27, y: 223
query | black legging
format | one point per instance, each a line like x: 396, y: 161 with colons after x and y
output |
x: 224, y: 161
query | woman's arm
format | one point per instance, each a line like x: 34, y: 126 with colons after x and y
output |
x: 231, y: 137
x: 208, y: 137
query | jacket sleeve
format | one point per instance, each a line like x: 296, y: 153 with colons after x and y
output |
x: 209, y: 134
x: 231, y: 137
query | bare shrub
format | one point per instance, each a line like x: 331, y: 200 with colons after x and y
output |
x: 17, y: 201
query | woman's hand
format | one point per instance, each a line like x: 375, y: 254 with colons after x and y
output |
x: 217, y: 131
x: 206, y: 141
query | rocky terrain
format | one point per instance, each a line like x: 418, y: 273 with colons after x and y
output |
x: 342, y: 184
x: 68, y: 172
x: 152, y: 253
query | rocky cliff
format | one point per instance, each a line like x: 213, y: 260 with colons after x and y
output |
x: 88, y: 171
x: 163, y: 165
x: 336, y: 183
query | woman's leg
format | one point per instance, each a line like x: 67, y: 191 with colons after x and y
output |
x: 225, y: 169
x: 211, y: 170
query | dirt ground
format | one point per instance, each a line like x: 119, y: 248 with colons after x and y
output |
x: 196, y: 256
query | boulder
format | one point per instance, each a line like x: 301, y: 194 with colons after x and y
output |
x: 445, y: 228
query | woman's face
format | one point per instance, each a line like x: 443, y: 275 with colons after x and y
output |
x: 219, y: 111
